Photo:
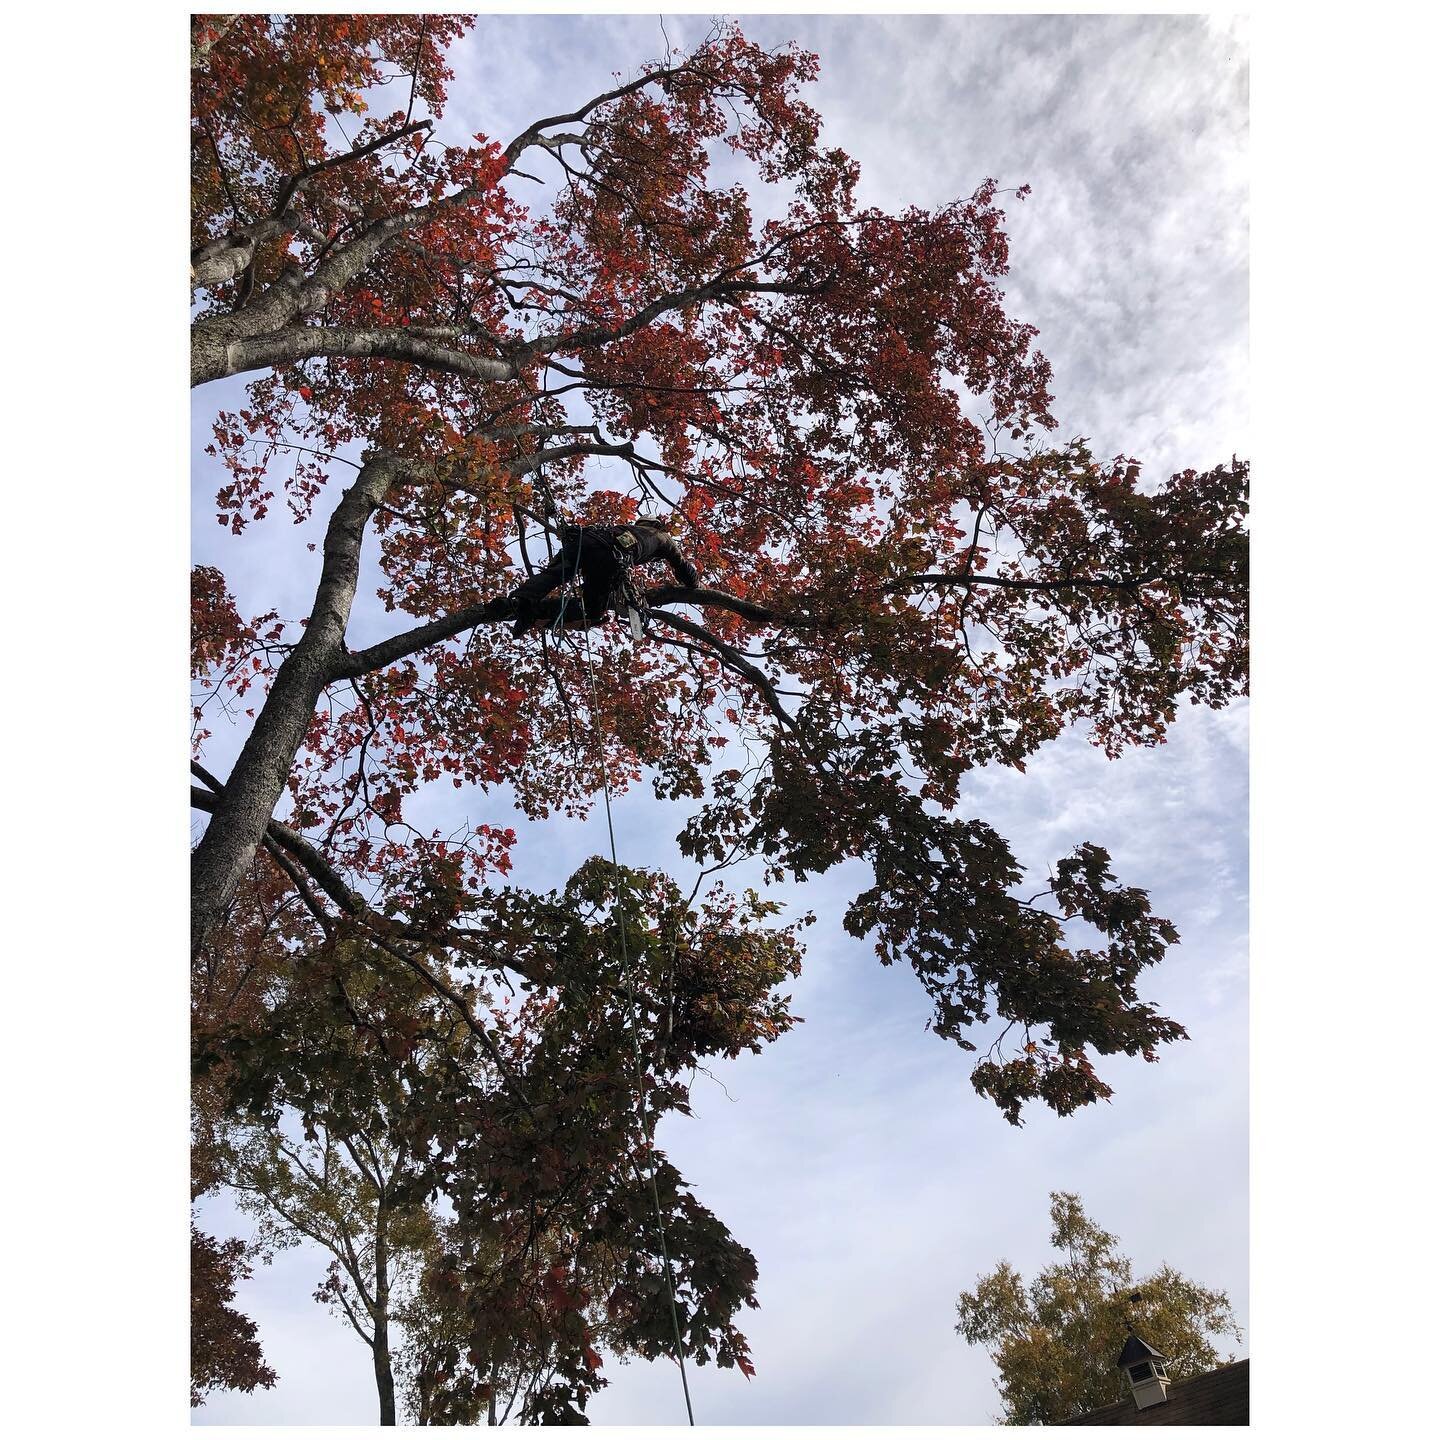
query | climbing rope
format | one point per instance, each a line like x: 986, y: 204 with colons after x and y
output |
x: 646, y: 1142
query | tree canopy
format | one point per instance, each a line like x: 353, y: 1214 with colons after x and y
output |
x: 225, y: 1350
x: 903, y: 577
x: 1055, y: 1340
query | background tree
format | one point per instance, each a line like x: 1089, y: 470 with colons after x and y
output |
x: 225, y: 1349
x: 442, y: 1386
x: 340, y: 1192
x: 1055, y: 1340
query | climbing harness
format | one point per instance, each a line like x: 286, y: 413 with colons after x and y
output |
x: 624, y: 592
x: 646, y: 1142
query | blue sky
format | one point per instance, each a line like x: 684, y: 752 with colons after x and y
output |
x: 853, y: 1157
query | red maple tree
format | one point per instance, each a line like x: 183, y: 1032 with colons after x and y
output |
x: 903, y: 577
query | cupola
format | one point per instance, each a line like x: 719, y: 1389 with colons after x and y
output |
x: 1144, y: 1369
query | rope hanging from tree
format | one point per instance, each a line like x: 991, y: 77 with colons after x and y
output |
x: 646, y: 1141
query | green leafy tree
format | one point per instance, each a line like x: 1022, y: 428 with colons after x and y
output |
x: 447, y: 1379
x: 346, y: 1193
x: 1054, y: 1341
x: 359, y: 1095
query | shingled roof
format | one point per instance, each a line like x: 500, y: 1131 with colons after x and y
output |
x: 1221, y: 1397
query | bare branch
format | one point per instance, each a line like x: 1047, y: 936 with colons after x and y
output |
x: 532, y: 134
x: 358, y: 152
x: 722, y: 600
x: 943, y: 579
x: 734, y: 660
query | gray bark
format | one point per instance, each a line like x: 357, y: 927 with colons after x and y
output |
x: 213, y: 356
x: 217, y: 261
x: 200, y: 53
x: 267, y: 329
x: 216, y: 339
x: 257, y: 781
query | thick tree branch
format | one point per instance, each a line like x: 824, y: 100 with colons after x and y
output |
x: 722, y: 600
x: 408, y: 642
x: 224, y: 258
x: 298, y: 879
x: 623, y: 449
x: 447, y: 627
x: 219, y: 26
x: 297, y: 846
x: 295, y: 343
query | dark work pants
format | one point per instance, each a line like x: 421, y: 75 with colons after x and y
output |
x: 595, y: 560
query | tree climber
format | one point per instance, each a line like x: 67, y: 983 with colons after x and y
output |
x: 603, y: 555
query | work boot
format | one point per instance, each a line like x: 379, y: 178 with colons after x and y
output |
x: 524, y: 618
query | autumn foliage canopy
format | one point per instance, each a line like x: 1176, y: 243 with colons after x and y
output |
x: 666, y: 300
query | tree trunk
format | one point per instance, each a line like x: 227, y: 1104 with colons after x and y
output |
x: 258, y: 780
x: 384, y: 1376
